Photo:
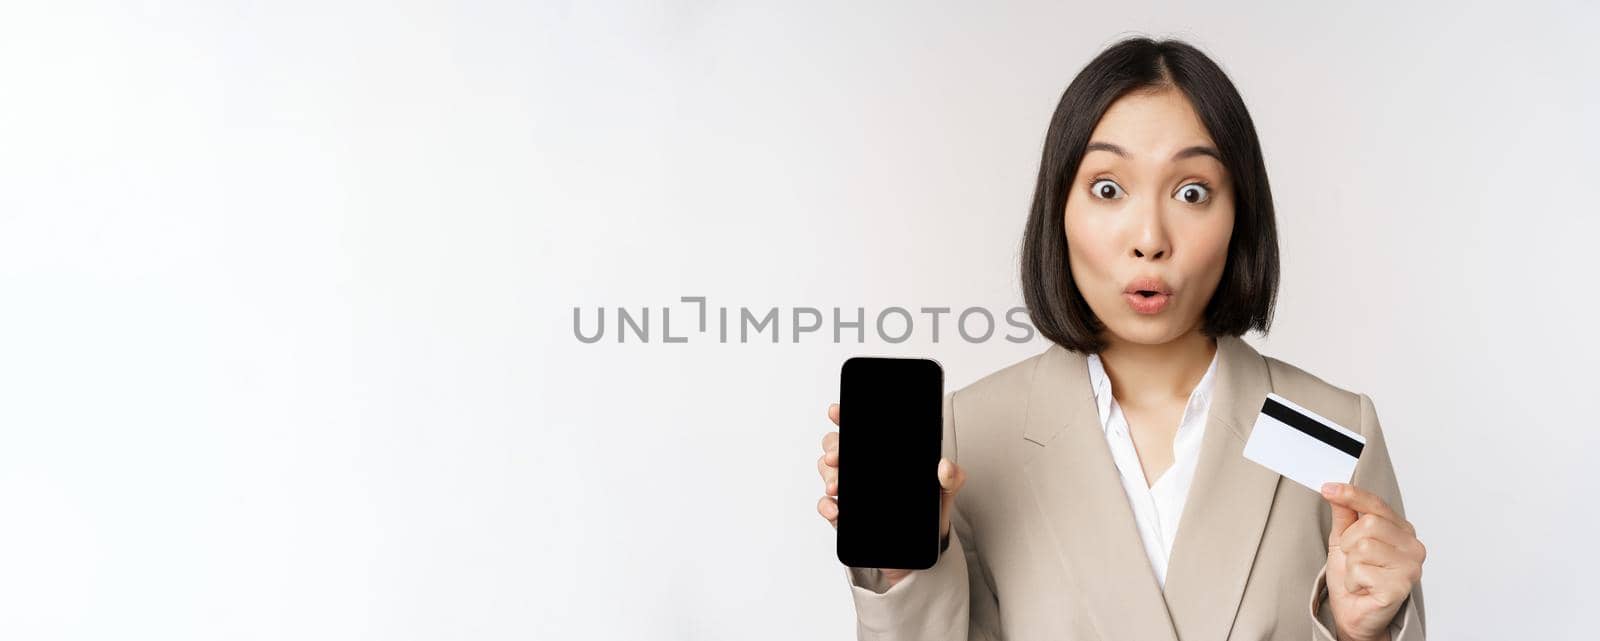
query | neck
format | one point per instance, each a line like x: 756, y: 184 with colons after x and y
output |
x: 1142, y: 374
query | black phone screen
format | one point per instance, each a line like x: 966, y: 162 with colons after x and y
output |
x: 891, y: 426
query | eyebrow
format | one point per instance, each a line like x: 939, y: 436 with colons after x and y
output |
x: 1187, y: 152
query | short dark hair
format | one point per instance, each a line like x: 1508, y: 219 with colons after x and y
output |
x: 1244, y: 298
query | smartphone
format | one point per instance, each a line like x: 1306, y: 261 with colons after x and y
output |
x: 891, y: 424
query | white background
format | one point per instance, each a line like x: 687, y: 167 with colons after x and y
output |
x: 286, y: 345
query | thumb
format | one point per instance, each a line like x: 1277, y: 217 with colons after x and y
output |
x: 951, y: 478
x: 1343, y: 518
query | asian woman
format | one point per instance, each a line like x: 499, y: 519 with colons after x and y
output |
x: 1097, y: 490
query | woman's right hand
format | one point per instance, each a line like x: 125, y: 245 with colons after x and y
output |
x: 951, y: 478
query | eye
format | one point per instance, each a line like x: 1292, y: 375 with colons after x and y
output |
x: 1106, y: 189
x: 1193, y: 193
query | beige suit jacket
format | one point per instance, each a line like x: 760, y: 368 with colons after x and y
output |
x: 1044, y: 544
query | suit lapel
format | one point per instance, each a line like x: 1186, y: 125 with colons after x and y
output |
x: 1228, y: 504
x: 1075, y: 485
x: 1077, y: 490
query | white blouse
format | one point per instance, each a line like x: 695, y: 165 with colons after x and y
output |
x: 1156, y: 508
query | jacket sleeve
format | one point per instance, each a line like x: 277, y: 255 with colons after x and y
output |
x: 951, y: 601
x: 1374, y: 473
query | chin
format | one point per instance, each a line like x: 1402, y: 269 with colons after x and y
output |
x: 1146, y: 331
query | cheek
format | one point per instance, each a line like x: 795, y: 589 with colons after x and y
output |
x: 1209, y: 249
x: 1089, y: 250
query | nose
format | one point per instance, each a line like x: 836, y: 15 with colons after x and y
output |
x: 1154, y: 255
x: 1150, y: 236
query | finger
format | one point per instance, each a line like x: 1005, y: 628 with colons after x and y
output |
x: 1383, y: 586
x: 829, y: 474
x: 1373, y: 551
x: 1359, y: 578
x: 830, y: 449
x: 1377, y: 527
x: 829, y: 509
x: 1400, y: 570
x: 1343, y: 518
x: 833, y: 413
x: 1393, y: 585
x: 951, y: 477
x: 1359, y: 500
x: 830, y: 480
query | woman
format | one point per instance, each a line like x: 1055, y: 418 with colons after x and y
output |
x: 1150, y: 249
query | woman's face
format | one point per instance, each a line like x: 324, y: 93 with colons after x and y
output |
x: 1151, y: 208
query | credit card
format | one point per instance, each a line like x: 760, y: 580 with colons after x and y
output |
x: 1302, y: 445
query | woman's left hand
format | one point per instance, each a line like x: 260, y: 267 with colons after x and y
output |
x: 1374, y: 559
